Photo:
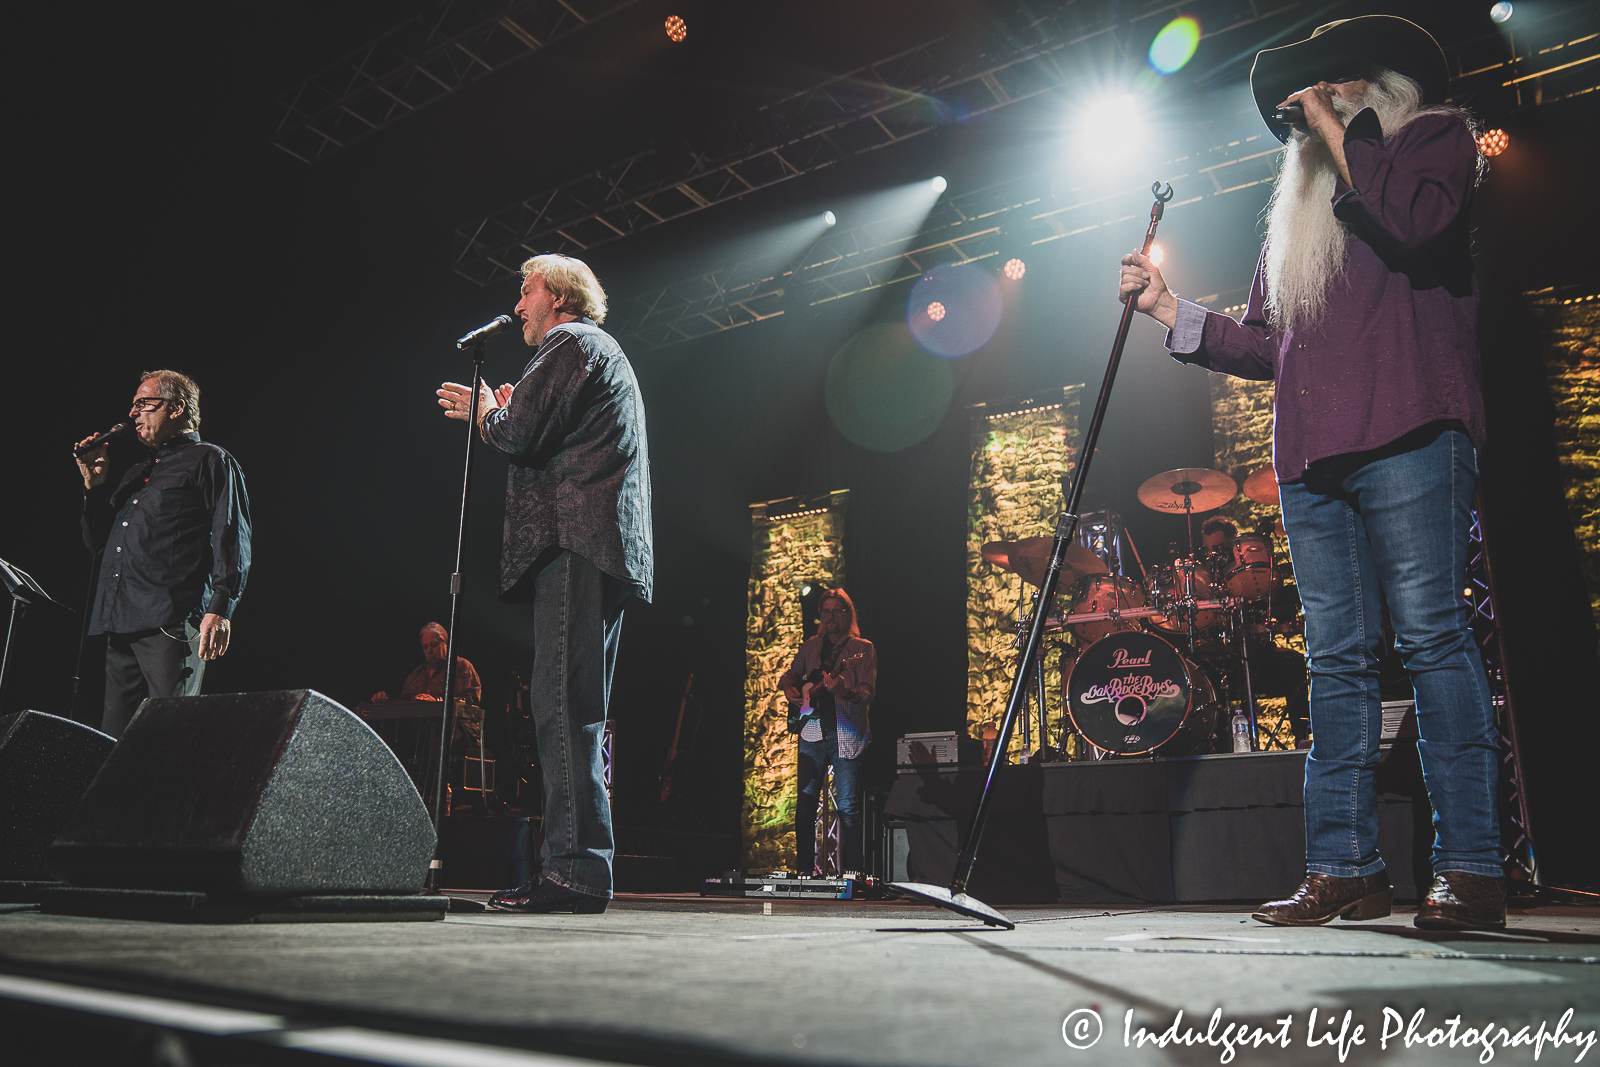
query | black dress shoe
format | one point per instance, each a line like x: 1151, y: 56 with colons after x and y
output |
x: 1322, y: 897
x: 1461, y: 900
x: 542, y: 898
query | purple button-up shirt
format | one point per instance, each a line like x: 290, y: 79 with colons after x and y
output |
x: 1397, y: 347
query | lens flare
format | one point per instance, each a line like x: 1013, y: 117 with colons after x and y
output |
x: 1014, y: 269
x: 1501, y: 11
x: 1175, y: 45
x: 954, y: 309
x: 829, y: 218
x: 939, y: 185
x: 1157, y: 254
x: 1112, y: 134
x: 885, y: 393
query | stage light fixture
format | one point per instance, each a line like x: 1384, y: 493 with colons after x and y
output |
x: 677, y: 29
x: 1501, y: 11
x: 1493, y: 142
x: 936, y: 311
x: 1175, y: 45
x: 829, y: 218
x: 1014, y: 269
x: 938, y: 184
x: 1157, y: 254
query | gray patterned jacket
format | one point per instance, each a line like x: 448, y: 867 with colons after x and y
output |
x: 580, y: 468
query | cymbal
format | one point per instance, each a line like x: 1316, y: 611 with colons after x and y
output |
x: 1206, y: 489
x: 1031, y: 559
x: 1262, y: 486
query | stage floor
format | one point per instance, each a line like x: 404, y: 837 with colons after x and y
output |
x: 679, y: 980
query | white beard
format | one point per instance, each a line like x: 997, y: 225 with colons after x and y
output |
x: 1305, y: 246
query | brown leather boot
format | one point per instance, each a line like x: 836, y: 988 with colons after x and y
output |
x: 1321, y: 897
x: 1460, y: 900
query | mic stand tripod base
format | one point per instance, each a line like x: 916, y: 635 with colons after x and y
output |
x: 961, y: 903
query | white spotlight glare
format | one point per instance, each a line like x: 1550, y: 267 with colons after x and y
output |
x: 829, y: 218
x: 1111, y: 131
x: 939, y: 184
x: 1501, y: 11
x: 1157, y: 255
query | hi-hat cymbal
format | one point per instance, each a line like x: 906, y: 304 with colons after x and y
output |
x: 1262, y: 486
x: 1204, y: 489
x: 1031, y: 559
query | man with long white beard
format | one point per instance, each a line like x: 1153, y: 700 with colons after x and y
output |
x: 1364, y: 313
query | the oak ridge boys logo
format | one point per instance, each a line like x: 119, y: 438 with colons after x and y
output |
x: 1142, y: 688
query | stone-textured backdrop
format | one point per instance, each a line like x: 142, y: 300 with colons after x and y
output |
x: 1020, y: 452
x: 1570, y: 327
x: 795, y: 542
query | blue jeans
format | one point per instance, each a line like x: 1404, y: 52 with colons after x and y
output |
x: 815, y: 758
x: 1394, y: 520
x: 577, y: 621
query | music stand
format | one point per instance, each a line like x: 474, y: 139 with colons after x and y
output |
x: 24, y: 591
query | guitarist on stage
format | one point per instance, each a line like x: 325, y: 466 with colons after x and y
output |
x: 830, y: 687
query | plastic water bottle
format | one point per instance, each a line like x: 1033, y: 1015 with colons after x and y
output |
x: 1241, y: 731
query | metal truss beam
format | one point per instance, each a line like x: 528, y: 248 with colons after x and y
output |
x: 882, y: 104
x: 1014, y: 217
x: 439, y: 51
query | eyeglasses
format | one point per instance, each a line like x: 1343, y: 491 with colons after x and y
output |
x: 834, y: 611
x: 149, y: 403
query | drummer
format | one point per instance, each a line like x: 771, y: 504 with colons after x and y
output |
x: 1218, y: 535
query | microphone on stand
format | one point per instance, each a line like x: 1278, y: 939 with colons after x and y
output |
x: 99, y: 439
x: 482, y: 333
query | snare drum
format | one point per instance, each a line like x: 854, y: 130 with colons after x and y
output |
x: 1104, y: 592
x: 1133, y: 693
x: 1186, y: 579
x: 1250, y: 573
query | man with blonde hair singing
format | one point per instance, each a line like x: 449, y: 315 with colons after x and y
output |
x: 174, y: 538
x: 1364, y: 314
x: 577, y: 548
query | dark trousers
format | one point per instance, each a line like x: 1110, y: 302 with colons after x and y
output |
x: 149, y: 663
x: 577, y: 621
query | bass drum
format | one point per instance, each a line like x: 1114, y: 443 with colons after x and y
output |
x: 1133, y: 694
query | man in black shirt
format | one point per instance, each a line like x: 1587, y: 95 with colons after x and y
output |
x: 577, y: 548
x: 175, y: 538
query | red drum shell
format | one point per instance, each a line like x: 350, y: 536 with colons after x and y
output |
x: 1103, y: 592
x: 1251, y: 573
x: 1185, y: 578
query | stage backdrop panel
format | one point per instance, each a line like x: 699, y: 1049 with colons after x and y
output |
x: 1020, y: 452
x: 1569, y: 325
x: 797, y: 542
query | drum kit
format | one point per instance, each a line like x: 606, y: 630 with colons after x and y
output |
x: 1150, y: 657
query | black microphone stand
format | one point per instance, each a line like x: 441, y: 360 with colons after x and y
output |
x: 955, y: 897
x: 447, y: 717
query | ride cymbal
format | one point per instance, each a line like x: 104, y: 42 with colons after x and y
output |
x: 1204, y: 489
x: 1262, y: 486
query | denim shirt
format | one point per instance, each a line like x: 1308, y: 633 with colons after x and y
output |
x: 580, y: 469
x: 1397, y: 347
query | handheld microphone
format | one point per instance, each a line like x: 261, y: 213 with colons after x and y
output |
x: 99, y: 439
x: 499, y: 325
x: 1293, y: 115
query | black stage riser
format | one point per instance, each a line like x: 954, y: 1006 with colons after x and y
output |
x: 46, y: 765
x: 1163, y: 831
x: 269, y: 793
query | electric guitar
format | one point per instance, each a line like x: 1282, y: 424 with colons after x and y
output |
x: 804, y: 714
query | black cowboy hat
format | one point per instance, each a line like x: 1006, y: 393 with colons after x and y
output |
x: 1345, y: 48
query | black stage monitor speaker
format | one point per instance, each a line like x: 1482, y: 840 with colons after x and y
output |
x: 46, y: 764
x: 269, y: 793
